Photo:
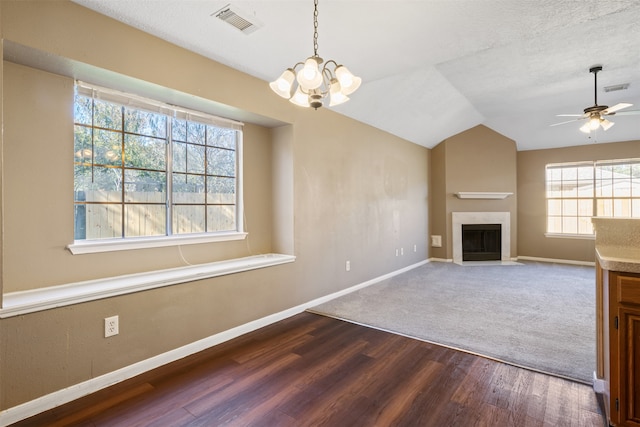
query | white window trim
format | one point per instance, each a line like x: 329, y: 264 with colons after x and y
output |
x: 23, y: 302
x: 79, y: 247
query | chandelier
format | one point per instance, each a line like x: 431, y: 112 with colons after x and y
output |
x: 314, y: 80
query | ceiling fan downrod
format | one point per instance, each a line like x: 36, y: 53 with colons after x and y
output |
x: 595, y: 71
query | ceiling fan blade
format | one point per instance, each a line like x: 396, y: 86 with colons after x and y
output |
x: 569, y: 115
x: 628, y: 113
x: 615, y: 108
x: 564, y: 123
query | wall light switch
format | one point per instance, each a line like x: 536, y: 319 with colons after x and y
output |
x: 436, y: 241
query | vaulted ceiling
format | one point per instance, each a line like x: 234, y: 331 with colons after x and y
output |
x: 432, y: 68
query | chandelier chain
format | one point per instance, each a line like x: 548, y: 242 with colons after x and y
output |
x: 315, y: 28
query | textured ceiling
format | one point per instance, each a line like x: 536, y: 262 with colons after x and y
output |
x: 430, y: 68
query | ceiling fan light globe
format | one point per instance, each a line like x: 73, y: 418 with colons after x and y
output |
x: 594, y: 122
x: 606, y: 124
x: 585, y: 128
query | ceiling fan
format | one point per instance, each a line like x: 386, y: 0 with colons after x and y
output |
x: 595, y: 115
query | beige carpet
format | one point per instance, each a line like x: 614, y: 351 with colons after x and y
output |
x: 536, y: 315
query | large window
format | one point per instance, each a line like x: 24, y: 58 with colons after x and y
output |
x: 578, y: 191
x: 143, y: 168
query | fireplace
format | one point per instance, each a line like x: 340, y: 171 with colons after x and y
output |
x: 481, y: 242
x: 458, y: 219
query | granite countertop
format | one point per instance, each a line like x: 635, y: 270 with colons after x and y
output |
x: 619, y: 258
x: 618, y: 243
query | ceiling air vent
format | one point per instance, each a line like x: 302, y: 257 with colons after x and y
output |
x: 238, y: 19
x: 614, y: 88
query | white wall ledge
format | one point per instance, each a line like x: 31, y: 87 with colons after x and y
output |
x: 482, y: 195
x: 23, y: 302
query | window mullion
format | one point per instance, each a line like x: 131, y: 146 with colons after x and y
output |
x: 169, y: 196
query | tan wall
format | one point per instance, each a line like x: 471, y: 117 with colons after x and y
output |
x: 324, y: 187
x: 478, y: 159
x: 532, y: 201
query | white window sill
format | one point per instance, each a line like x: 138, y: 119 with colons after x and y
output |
x: 17, y: 303
x: 108, y: 245
x: 570, y: 236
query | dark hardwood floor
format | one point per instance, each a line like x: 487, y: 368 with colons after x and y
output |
x: 311, y: 370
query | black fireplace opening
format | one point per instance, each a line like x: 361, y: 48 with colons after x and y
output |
x: 481, y: 242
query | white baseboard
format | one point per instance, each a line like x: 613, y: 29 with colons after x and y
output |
x: 557, y: 261
x: 60, y: 397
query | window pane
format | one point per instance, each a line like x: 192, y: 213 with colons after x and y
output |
x: 569, y: 173
x: 585, y: 226
x: 145, y: 186
x: 179, y: 130
x: 98, y: 184
x: 569, y: 189
x: 196, y: 133
x: 218, y: 137
x: 635, y: 205
x: 585, y: 173
x: 554, y: 224
x: 145, y: 220
x: 605, y: 207
x: 570, y: 207
x: 145, y: 153
x: 570, y: 225
x: 195, y: 158
x: 635, y: 187
x: 622, y: 188
x: 108, y: 147
x: 82, y: 144
x: 179, y: 157
x: 104, y: 221
x: 221, y: 218
x: 221, y: 162
x: 585, y: 207
x: 621, y: 207
x: 145, y: 123
x: 221, y: 190
x: 188, y: 219
x: 107, y: 115
x: 188, y: 189
x: 82, y: 111
x: 554, y: 189
x: 585, y: 188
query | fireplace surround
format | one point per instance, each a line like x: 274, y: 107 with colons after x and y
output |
x: 501, y: 218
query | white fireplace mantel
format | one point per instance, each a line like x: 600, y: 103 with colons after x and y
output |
x: 482, y: 195
x: 460, y: 218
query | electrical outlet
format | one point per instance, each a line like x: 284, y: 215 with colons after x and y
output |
x: 415, y: 248
x: 111, y: 326
x: 347, y: 266
x: 401, y: 251
x: 397, y: 252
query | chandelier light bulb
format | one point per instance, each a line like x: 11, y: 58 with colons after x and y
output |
x: 309, y: 77
x: 594, y: 122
